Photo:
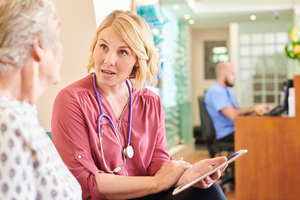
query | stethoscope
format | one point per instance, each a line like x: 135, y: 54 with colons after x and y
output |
x: 127, y: 151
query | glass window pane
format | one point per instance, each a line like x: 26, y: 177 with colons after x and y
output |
x: 280, y: 48
x: 257, y: 87
x: 270, y: 63
x: 270, y: 74
x: 257, y: 63
x: 282, y: 74
x: 244, y: 39
x: 257, y: 38
x: 256, y: 50
x: 257, y: 99
x: 269, y: 38
x: 245, y: 75
x: 269, y: 49
x: 246, y: 97
x: 257, y: 75
x: 280, y: 85
x: 270, y: 86
x: 245, y: 51
x: 270, y: 99
x: 246, y: 86
x: 245, y: 63
x: 282, y: 37
x: 281, y: 62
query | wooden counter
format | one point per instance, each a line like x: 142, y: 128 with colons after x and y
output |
x: 271, y: 168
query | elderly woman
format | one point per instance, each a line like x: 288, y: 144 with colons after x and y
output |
x: 110, y: 131
x: 30, y: 62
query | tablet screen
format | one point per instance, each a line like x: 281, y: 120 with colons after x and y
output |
x: 210, y: 171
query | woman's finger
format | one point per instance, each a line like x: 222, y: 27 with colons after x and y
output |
x: 208, y: 182
x: 215, y: 176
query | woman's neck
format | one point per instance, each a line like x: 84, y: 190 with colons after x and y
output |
x: 116, y: 91
x: 119, y: 90
x: 117, y: 96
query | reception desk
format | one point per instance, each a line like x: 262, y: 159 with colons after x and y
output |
x: 271, y: 168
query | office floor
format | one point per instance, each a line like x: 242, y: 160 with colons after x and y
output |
x: 200, y: 154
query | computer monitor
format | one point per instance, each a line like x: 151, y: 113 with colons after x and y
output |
x: 283, y: 107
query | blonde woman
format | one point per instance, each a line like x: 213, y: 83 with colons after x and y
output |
x: 30, y: 62
x: 109, y: 129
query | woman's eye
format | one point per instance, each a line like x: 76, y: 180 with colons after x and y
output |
x: 103, y: 46
x: 123, y: 52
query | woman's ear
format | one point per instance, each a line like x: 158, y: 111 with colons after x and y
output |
x: 37, y: 50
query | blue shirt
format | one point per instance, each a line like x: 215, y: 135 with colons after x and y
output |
x: 217, y: 98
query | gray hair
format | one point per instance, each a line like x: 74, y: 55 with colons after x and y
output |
x: 21, y: 22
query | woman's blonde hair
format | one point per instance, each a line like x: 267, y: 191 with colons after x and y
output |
x: 136, y: 33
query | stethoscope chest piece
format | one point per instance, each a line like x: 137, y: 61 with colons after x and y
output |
x: 128, y: 151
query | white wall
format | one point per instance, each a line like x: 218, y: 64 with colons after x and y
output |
x: 233, y: 55
x: 199, y: 84
x: 104, y: 7
x: 78, y: 24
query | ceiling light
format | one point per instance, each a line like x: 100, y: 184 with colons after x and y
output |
x: 176, y: 6
x: 186, y: 17
x: 253, y: 17
x: 191, y: 21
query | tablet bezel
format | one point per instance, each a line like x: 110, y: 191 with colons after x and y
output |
x: 187, y: 185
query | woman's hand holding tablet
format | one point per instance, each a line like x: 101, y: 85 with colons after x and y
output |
x: 203, y: 173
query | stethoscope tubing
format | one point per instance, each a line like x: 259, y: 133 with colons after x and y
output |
x: 102, y: 114
x: 130, y: 113
x: 106, y: 116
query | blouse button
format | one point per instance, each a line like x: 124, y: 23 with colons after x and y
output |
x: 79, y: 156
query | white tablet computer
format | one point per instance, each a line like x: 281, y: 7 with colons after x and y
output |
x: 201, y: 176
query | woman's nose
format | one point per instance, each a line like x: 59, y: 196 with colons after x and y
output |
x: 110, y: 59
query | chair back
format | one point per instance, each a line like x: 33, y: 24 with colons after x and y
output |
x: 214, y: 147
x: 208, y: 131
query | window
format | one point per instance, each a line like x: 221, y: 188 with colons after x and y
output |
x: 215, y: 52
x: 262, y: 67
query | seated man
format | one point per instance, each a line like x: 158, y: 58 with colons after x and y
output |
x: 221, y: 103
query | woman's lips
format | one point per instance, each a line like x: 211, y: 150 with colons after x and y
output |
x: 107, y: 73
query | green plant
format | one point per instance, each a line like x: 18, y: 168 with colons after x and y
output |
x: 293, y: 49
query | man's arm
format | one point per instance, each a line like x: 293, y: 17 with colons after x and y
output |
x: 231, y: 112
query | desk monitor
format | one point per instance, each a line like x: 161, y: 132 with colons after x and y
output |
x: 283, y: 106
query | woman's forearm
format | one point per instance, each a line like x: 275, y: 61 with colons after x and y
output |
x: 127, y: 187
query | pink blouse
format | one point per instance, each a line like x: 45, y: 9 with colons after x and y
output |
x: 74, y: 133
